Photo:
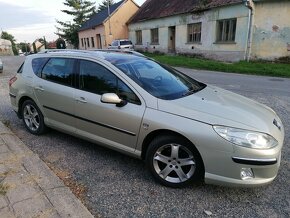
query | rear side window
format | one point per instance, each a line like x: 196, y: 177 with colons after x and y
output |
x: 59, y: 70
x: 37, y: 65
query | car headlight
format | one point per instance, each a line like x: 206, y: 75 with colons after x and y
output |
x: 245, y: 138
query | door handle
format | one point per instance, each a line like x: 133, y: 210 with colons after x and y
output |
x: 81, y: 100
x: 39, y: 88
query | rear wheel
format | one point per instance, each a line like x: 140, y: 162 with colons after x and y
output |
x: 33, y: 118
x: 174, y: 161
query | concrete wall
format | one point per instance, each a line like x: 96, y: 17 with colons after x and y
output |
x: 271, y: 31
x: 111, y: 29
x: 208, y: 46
x: 5, y: 47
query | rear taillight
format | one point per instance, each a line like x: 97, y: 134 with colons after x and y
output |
x: 12, y: 80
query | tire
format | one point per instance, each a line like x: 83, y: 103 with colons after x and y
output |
x: 32, y: 118
x: 174, y: 161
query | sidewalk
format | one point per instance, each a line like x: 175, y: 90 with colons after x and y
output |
x: 28, y: 188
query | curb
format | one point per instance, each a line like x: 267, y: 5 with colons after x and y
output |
x: 28, y: 188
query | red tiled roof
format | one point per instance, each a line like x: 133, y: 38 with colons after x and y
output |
x: 153, y: 9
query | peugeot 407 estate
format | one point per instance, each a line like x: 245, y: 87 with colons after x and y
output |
x: 186, y: 131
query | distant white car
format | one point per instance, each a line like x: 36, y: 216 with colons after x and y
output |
x: 1, y: 66
x: 124, y: 44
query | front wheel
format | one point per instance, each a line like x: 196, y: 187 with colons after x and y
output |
x: 33, y: 118
x: 174, y: 161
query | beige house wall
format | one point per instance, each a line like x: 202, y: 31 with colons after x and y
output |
x: 271, y: 30
x: 117, y: 24
x: 92, y: 33
x: 113, y: 28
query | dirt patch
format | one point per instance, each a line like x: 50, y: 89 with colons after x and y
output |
x: 78, y: 189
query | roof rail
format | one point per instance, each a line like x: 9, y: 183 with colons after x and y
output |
x: 93, y: 50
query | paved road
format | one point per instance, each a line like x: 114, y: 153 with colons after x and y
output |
x: 118, y: 185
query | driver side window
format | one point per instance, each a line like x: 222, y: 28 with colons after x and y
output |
x: 97, y: 79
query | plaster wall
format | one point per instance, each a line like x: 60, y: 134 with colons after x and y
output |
x: 271, y: 30
x: 208, y: 46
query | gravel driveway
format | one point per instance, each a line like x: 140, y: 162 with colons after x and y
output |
x: 120, y: 186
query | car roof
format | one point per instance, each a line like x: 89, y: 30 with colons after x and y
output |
x: 111, y: 55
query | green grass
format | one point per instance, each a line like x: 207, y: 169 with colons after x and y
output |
x: 243, y: 67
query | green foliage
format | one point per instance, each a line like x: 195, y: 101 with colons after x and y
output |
x: 24, y: 47
x: 60, y: 44
x: 80, y: 10
x: 104, y: 4
x: 7, y: 36
x: 243, y: 67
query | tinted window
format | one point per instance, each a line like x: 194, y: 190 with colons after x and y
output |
x: 99, y: 80
x: 59, y: 70
x: 37, y: 65
x: 125, y: 43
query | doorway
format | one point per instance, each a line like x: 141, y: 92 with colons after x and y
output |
x: 99, y: 41
x: 172, y: 38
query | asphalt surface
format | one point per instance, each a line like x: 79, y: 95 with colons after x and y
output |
x: 120, y: 186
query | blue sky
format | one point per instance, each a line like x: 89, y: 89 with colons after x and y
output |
x: 31, y: 19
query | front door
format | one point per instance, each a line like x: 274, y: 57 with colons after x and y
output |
x: 172, y: 38
x: 99, y: 41
x: 108, y: 124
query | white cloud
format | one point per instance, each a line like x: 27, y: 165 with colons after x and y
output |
x: 30, y: 19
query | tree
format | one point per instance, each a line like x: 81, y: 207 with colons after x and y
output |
x: 81, y: 10
x: 104, y: 4
x: 7, y: 36
x: 24, y: 47
x: 60, y: 44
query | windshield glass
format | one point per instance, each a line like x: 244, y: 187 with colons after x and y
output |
x: 160, y: 81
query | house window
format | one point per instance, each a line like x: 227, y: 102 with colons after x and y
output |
x: 194, y: 32
x: 88, y: 42
x: 139, y: 37
x: 82, y: 42
x: 93, y: 42
x: 154, y: 36
x: 226, y: 30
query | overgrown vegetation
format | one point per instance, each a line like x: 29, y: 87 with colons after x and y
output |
x: 255, y: 68
x: 80, y: 10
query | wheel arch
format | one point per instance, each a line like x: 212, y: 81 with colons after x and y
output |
x: 163, y: 132
x: 20, y: 103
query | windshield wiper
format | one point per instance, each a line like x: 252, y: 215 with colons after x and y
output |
x: 190, y: 91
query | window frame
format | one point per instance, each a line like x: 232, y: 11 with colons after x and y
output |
x: 139, y: 39
x: 73, y: 81
x: 221, y: 35
x: 154, y: 38
x: 196, y: 36
x: 117, y: 81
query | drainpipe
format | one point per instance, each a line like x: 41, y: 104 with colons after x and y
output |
x: 250, y: 5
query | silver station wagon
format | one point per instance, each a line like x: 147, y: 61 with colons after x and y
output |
x: 184, y: 130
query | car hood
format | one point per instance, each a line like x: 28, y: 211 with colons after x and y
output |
x: 216, y: 106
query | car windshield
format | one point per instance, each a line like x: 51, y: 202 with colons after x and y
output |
x: 160, y: 81
x: 125, y: 43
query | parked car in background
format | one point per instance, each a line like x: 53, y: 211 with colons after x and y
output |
x: 186, y: 131
x: 124, y: 44
x: 1, y: 66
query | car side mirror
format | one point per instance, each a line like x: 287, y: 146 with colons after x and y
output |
x: 112, y: 98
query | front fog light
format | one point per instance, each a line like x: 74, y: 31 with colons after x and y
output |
x: 247, y: 173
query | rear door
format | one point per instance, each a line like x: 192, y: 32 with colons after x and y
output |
x: 54, y: 91
x: 115, y: 126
